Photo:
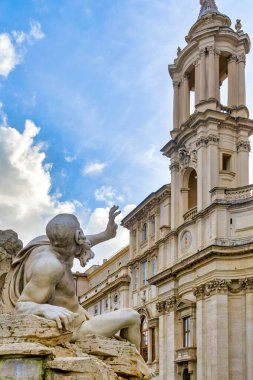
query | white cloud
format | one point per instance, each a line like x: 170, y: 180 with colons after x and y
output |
x: 70, y: 159
x: 12, y: 47
x: 26, y: 204
x: 109, y: 195
x: 94, y: 168
x: 32, y: 36
x: 35, y: 32
x: 9, y: 57
x: 25, y: 201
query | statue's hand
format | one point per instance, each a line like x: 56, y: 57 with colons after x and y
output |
x: 111, y: 228
x: 63, y: 317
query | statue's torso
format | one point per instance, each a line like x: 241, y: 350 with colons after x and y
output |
x: 64, y: 294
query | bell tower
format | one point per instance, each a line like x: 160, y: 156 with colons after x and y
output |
x: 210, y: 146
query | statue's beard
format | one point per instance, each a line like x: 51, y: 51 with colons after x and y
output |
x: 85, y: 254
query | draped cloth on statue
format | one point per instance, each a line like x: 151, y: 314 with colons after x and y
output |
x: 15, y: 279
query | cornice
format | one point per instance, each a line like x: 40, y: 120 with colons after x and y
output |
x: 205, y: 254
x: 223, y: 120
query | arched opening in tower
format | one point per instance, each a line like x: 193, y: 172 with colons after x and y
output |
x: 192, y: 192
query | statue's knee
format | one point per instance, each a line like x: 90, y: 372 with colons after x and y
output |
x: 133, y: 316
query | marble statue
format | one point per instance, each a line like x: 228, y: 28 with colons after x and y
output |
x: 41, y: 283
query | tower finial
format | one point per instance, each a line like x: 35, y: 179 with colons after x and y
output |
x: 208, y: 6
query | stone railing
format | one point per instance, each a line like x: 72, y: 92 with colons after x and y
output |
x: 189, y: 215
x: 232, y: 194
x: 186, y: 354
x: 239, y: 193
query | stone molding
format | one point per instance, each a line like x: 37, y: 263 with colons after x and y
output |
x: 205, y: 141
x: 241, y: 58
x: 174, y: 166
x: 166, y: 306
x: 223, y: 286
x: 142, y: 210
x: 187, y: 158
x: 243, y: 145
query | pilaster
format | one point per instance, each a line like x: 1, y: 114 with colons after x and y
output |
x: 232, y: 82
x: 176, y: 85
x: 241, y: 80
x: 202, y: 74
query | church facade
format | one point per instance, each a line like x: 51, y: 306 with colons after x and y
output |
x: 188, y: 269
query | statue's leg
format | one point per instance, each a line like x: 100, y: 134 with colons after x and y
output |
x: 110, y: 323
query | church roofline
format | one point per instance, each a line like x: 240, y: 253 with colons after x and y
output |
x: 145, y: 203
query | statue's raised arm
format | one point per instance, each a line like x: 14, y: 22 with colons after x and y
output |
x: 110, y: 231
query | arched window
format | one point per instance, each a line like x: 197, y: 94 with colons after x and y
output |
x: 192, y: 194
x: 144, y: 338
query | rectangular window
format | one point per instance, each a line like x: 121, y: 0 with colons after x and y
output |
x: 145, y: 272
x: 153, y: 227
x: 154, y: 265
x: 226, y: 161
x: 186, y: 332
x: 135, y: 278
x: 145, y: 232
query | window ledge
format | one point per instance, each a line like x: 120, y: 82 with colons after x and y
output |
x: 227, y: 173
x: 186, y: 354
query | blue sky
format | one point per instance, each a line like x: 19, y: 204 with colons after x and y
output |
x: 91, y: 76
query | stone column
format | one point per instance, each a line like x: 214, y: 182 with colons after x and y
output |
x: 186, y: 98
x: 217, y: 74
x: 201, y: 337
x: 241, y: 80
x: 176, y: 105
x: 197, y: 81
x: 212, y: 169
x: 211, y: 73
x: 163, y: 346
x: 202, y: 79
x: 232, y: 82
x: 174, y: 168
x: 217, y: 337
x: 201, y: 172
x: 180, y: 103
x: 149, y: 346
x: 249, y: 329
x: 243, y: 149
x: 170, y: 346
x: 157, y: 344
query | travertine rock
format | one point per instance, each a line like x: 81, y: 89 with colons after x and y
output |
x: 25, y: 349
x: 101, y: 346
x: 18, y: 328
x: 85, y: 365
x: 33, y: 348
x: 122, y: 356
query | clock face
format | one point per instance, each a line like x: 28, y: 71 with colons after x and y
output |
x: 186, y: 240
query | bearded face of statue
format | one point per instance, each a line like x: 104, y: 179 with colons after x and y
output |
x: 84, y: 253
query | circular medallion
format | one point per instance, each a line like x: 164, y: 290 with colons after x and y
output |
x: 186, y: 240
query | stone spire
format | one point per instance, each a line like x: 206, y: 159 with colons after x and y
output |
x: 207, y: 6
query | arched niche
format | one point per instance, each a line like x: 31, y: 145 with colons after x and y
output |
x: 190, y: 189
